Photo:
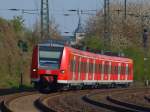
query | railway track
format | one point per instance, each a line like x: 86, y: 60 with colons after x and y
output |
x: 70, y: 101
x: 8, y: 93
x: 40, y: 102
x: 20, y: 102
x: 111, y: 103
x: 60, y: 102
x: 27, y: 102
x: 147, y: 98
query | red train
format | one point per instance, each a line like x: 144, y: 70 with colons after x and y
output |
x: 63, y: 66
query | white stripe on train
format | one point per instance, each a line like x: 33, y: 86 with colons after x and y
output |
x: 94, y: 81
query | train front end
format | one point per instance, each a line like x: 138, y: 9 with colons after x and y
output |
x: 46, y: 62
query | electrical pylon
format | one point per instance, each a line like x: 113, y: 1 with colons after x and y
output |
x: 106, y: 24
x: 44, y: 19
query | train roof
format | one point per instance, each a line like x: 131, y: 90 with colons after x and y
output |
x: 52, y: 43
x: 105, y: 57
x: 85, y: 53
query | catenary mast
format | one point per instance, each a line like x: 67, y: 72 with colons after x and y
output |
x: 44, y: 19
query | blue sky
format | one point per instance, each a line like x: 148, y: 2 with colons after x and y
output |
x: 57, y: 10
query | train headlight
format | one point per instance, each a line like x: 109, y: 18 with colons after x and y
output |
x: 62, y: 71
x: 34, y: 70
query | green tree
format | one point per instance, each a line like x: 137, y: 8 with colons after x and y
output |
x: 18, y: 23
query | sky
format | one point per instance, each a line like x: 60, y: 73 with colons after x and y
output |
x: 57, y: 9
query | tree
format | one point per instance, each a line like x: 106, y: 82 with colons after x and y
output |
x: 53, y: 29
x: 18, y: 23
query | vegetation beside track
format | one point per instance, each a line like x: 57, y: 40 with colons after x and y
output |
x: 12, y: 60
x: 126, y: 37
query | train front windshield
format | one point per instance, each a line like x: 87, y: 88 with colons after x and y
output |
x: 50, y: 57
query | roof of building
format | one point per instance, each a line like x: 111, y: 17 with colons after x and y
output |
x: 79, y: 28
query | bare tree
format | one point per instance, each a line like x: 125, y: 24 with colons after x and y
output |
x: 124, y: 32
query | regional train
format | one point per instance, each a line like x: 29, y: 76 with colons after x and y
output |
x: 57, y: 66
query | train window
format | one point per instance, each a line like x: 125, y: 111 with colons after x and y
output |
x: 83, y: 67
x: 94, y: 66
x: 99, y: 68
x: 116, y: 70
x: 91, y: 68
x: 106, y: 66
x: 50, y: 56
x: 119, y: 69
x: 112, y: 69
x: 73, y: 65
x: 102, y: 70
x: 87, y: 67
x: 122, y: 70
x: 79, y: 65
x: 127, y: 69
x: 109, y: 70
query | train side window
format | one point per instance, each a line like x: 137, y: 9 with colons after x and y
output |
x: 79, y: 65
x: 83, y: 67
x: 119, y: 69
x: 87, y: 67
x: 106, y: 66
x: 102, y: 70
x: 73, y: 65
x: 109, y: 70
x: 122, y: 70
x: 94, y: 66
x: 116, y: 70
x: 112, y: 69
x: 91, y: 67
x: 99, y: 68
x: 127, y: 69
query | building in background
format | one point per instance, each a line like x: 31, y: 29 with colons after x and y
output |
x: 79, y: 32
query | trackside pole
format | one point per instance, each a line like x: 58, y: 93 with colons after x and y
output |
x: 145, y: 38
